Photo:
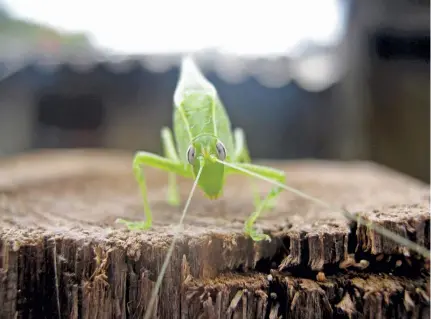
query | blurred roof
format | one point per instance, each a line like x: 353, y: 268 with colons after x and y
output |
x: 314, y: 69
x: 312, y: 64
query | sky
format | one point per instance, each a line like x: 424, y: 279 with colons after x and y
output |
x: 162, y: 26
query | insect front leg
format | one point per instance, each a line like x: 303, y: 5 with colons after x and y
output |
x: 270, y: 173
x: 171, y: 153
x: 153, y: 160
x: 242, y: 155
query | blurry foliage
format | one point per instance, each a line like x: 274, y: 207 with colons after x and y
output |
x: 34, y: 33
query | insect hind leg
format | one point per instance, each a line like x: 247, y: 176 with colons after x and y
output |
x: 273, y: 194
x: 242, y: 155
x: 173, y: 196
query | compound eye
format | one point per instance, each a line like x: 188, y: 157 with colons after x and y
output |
x: 221, y: 151
x: 191, y: 154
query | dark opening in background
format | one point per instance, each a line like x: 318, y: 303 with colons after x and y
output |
x: 406, y: 46
x: 69, y: 121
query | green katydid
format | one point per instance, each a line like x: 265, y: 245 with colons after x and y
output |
x: 207, y: 151
x: 205, y: 142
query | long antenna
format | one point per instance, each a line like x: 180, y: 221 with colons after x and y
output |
x: 171, y: 247
x: 381, y: 230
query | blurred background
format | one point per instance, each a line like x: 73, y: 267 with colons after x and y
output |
x: 327, y: 79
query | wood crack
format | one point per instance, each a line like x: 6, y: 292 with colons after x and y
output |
x: 56, y: 226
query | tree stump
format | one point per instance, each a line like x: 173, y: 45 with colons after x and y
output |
x: 62, y: 255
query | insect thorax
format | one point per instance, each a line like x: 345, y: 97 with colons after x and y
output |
x: 199, y: 114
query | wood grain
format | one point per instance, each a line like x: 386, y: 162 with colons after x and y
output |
x: 62, y: 255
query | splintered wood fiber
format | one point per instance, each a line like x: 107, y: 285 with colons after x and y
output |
x: 63, y: 256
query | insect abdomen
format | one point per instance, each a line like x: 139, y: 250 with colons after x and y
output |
x: 223, y: 127
x: 198, y: 110
x: 200, y: 113
x: 193, y: 117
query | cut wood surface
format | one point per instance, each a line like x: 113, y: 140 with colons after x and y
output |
x: 62, y: 255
